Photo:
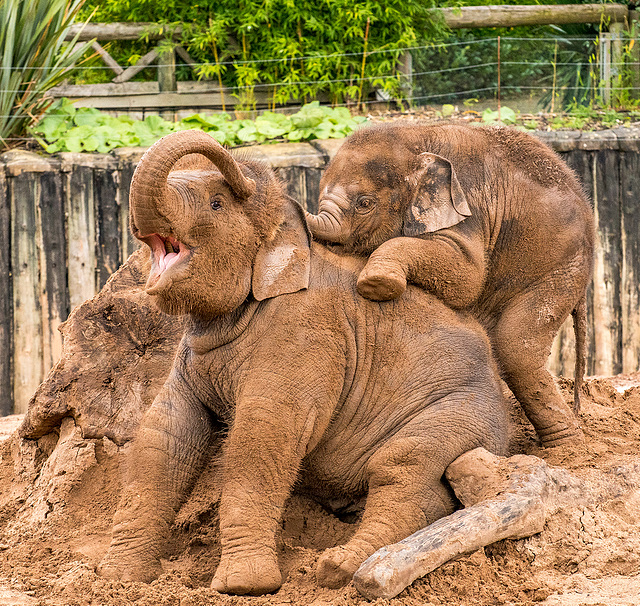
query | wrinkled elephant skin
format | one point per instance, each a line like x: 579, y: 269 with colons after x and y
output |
x: 308, y: 382
x: 489, y: 220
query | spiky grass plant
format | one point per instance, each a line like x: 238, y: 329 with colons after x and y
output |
x: 33, y: 58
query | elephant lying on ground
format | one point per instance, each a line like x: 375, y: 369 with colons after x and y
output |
x: 308, y: 382
x: 488, y: 219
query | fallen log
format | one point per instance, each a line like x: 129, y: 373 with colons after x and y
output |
x: 503, y: 498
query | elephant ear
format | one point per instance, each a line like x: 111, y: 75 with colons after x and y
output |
x: 438, y: 200
x: 283, y: 264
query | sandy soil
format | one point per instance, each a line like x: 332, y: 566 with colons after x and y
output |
x: 59, y: 494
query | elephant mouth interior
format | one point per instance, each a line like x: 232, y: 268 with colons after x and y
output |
x: 167, y: 251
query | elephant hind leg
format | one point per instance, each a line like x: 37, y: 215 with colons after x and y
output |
x: 405, y: 494
x: 405, y: 477
x: 522, y: 341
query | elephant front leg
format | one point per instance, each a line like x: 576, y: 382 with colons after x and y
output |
x: 169, y: 449
x: 450, y: 266
x: 261, y: 460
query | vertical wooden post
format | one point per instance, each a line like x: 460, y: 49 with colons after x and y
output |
x: 127, y: 162
x: 53, y: 263
x: 167, y: 78
x: 6, y: 307
x: 81, y: 228
x: 634, y: 53
x: 405, y: 68
x: 23, y: 168
x: 608, y: 258
x: 630, y: 287
x: 107, y: 211
x: 582, y: 162
x: 616, y: 31
x: 605, y: 67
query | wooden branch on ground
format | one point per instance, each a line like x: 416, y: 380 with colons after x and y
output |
x: 503, y: 498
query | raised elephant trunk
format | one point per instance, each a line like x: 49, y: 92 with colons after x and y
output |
x: 328, y: 224
x: 150, y: 196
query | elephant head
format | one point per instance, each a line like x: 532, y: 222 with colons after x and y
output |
x: 380, y: 186
x: 218, y: 229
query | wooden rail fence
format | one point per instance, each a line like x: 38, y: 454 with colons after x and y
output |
x: 170, y: 97
x: 63, y: 223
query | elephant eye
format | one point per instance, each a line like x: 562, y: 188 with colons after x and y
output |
x: 364, y: 203
x: 216, y: 203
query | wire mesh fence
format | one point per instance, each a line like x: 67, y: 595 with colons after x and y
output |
x: 554, y: 71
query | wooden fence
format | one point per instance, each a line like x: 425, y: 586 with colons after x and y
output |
x: 173, y: 99
x: 63, y: 222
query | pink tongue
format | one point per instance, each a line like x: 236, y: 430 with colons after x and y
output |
x: 169, y: 260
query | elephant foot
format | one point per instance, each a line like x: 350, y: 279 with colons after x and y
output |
x: 247, y: 575
x: 337, y: 566
x: 127, y: 568
x: 381, y: 284
x: 561, y: 435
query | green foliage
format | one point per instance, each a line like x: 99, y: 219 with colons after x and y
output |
x: 505, y: 116
x: 33, y: 58
x: 66, y: 128
x: 290, y: 50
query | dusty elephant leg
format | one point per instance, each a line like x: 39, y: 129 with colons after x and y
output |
x: 262, y: 456
x: 522, y: 342
x: 406, y: 493
x: 168, y: 451
x: 451, y: 267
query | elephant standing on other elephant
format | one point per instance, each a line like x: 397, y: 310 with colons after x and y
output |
x: 488, y: 219
x: 310, y: 382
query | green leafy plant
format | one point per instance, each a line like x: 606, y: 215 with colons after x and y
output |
x: 283, y: 50
x: 506, y: 116
x: 33, y: 58
x: 67, y: 128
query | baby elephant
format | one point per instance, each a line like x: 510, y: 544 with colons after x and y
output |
x: 311, y: 383
x: 489, y: 220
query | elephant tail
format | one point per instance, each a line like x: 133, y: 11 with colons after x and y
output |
x: 579, y: 314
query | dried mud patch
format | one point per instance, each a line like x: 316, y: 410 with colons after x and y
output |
x: 59, y: 494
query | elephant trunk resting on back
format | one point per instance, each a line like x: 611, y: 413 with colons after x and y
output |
x: 488, y: 219
x: 314, y: 383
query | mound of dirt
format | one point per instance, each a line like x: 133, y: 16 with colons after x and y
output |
x: 59, y: 494
x: 60, y: 476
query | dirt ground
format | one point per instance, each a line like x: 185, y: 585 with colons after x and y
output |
x: 59, y: 494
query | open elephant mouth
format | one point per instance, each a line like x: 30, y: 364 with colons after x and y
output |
x: 167, y: 252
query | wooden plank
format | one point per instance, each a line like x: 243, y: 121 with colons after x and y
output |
x: 116, y: 31
x: 6, y: 307
x: 107, y: 58
x: 167, y: 79
x: 142, y: 63
x: 607, y: 269
x: 28, y: 369
x: 312, y: 189
x: 512, y: 16
x: 455, y: 18
x: 165, y: 100
x: 53, y: 263
x: 107, y: 211
x: 582, y: 161
x: 127, y: 162
x: 81, y: 230
x: 630, y: 191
